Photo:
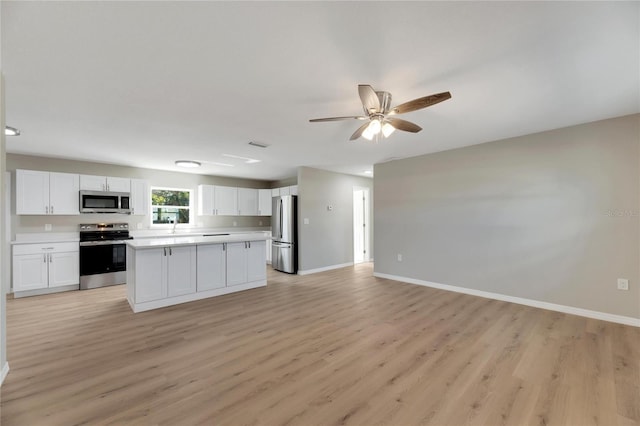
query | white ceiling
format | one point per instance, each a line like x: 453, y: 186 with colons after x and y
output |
x: 147, y: 83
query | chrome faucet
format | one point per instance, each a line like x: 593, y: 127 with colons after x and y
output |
x: 173, y: 230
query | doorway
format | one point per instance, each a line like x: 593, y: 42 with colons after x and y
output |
x: 361, y: 224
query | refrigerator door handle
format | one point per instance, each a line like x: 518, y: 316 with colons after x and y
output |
x: 281, y: 214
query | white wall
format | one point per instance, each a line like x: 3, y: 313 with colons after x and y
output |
x: 328, y: 238
x: 551, y: 217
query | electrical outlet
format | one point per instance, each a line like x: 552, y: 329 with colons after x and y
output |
x: 235, y: 223
x: 623, y: 284
x: 399, y: 257
x: 259, y: 223
x: 47, y: 227
x: 305, y: 220
x: 138, y: 225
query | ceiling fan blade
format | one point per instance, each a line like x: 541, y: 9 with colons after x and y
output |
x: 369, y: 98
x: 404, y: 125
x: 353, y: 117
x: 358, y: 132
x: 420, y: 103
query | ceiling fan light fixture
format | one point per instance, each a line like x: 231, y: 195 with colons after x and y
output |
x: 387, y: 129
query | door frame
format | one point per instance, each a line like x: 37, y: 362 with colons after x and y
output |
x: 366, y: 220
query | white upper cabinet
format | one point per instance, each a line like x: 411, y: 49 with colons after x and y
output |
x: 275, y: 192
x: 247, y: 202
x: 264, y: 202
x: 285, y: 190
x: 205, y: 200
x: 104, y: 183
x: 139, y: 201
x: 46, y: 193
x: 293, y: 190
x: 217, y: 200
x: 225, y: 200
x: 64, y: 193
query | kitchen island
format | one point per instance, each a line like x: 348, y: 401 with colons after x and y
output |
x: 168, y: 271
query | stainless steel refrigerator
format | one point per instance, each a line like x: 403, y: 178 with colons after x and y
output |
x: 284, y: 232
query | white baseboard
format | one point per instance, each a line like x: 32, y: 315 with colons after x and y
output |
x: 4, y: 372
x: 620, y: 319
x: 326, y: 268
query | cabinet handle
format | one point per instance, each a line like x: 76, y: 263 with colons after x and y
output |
x: 165, y: 250
x: 46, y: 209
x: 50, y: 258
x: 44, y: 256
x: 170, y: 252
x: 249, y: 244
x: 51, y: 209
x: 224, y: 246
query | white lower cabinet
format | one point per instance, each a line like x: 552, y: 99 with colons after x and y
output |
x: 164, y: 272
x: 230, y: 264
x: 212, y: 267
x: 42, y: 266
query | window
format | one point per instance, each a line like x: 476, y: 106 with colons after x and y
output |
x: 169, y: 205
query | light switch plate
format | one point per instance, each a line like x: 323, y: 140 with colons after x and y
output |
x: 47, y: 227
x: 306, y: 220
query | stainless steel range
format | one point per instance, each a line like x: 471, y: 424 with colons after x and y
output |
x: 103, y: 254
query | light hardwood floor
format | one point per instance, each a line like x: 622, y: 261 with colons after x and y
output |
x: 339, y: 347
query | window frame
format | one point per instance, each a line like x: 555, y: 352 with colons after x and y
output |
x: 170, y: 225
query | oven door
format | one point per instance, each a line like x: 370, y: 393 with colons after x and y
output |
x: 102, y: 263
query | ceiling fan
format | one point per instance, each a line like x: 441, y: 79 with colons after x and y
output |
x: 380, y: 116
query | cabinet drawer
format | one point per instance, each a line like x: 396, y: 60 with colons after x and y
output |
x: 19, y: 249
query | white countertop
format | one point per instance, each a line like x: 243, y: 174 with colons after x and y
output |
x: 147, y: 243
x: 49, y: 237
x: 192, y: 232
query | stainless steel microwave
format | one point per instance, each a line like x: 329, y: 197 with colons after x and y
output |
x: 105, y: 202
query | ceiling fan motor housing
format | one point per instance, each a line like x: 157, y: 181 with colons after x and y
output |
x: 385, y: 102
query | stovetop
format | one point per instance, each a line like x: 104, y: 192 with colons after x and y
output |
x: 104, y: 231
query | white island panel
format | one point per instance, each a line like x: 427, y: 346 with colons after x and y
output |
x: 169, y: 271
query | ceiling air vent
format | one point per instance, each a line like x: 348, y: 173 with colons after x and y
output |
x: 258, y: 144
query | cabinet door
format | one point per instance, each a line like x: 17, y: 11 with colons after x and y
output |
x: 117, y: 184
x: 205, y: 200
x: 293, y: 190
x: 139, y: 197
x: 150, y: 275
x: 264, y: 202
x: 275, y: 192
x: 236, y: 263
x: 181, y: 270
x: 256, y: 262
x: 32, y: 192
x: 93, y: 183
x: 225, y: 200
x: 64, y: 269
x: 64, y: 193
x: 211, y: 266
x: 247, y: 202
x: 285, y: 191
x: 30, y: 272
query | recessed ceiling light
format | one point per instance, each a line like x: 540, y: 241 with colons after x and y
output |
x: 11, y: 131
x: 187, y: 163
x: 367, y: 172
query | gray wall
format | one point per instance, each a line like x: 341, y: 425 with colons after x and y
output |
x: 553, y: 217
x: 154, y: 177
x: 328, y: 238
